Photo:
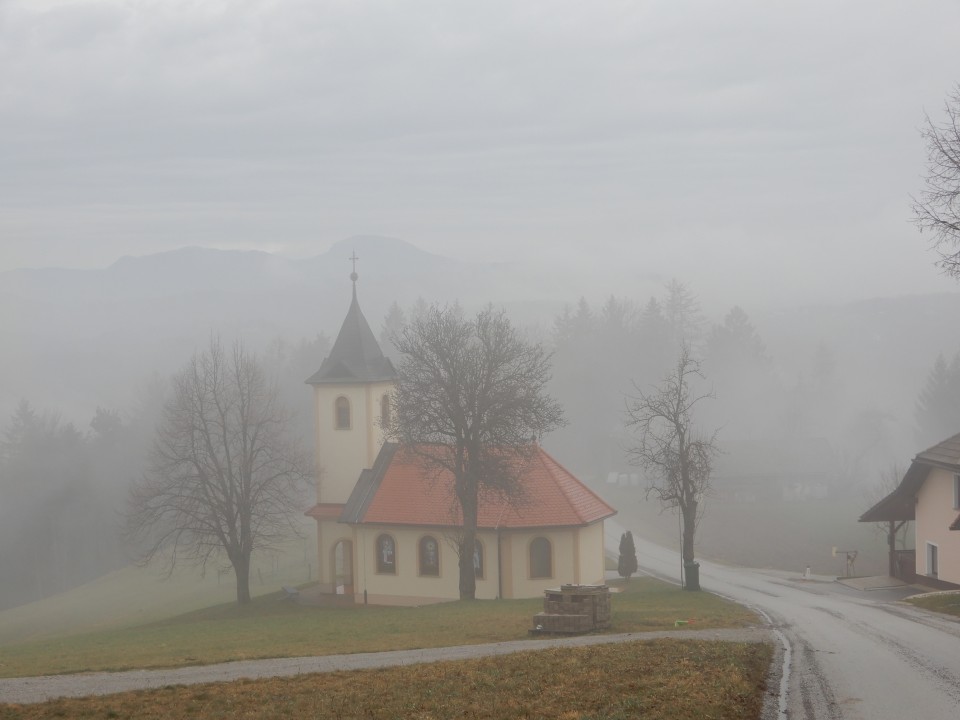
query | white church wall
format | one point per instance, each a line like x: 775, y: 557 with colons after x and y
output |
x: 563, y: 555
x: 591, y: 557
x: 406, y: 586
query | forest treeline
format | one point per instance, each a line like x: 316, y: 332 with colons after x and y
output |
x: 60, y: 509
x: 63, y: 486
x: 785, y: 432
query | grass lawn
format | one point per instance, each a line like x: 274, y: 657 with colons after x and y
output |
x: 947, y: 603
x: 136, y: 595
x: 273, y: 627
x: 679, y: 680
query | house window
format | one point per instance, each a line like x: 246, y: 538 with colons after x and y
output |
x: 956, y: 492
x: 342, y: 413
x: 478, y: 563
x: 385, y: 411
x: 933, y: 563
x: 541, y: 558
x: 386, y: 555
x: 429, y: 556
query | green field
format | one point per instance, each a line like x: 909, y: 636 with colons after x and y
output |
x: 136, y: 595
x: 272, y: 626
x: 786, y: 536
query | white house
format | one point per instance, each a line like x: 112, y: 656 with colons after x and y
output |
x: 929, y: 494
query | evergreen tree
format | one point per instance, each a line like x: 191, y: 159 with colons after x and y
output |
x: 735, y: 342
x: 627, y: 564
x: 682, y: 312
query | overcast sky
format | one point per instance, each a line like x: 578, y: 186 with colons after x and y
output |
x: 767, y: 148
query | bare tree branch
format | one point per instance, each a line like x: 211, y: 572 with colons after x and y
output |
x: 677, y: 458
x: 938, y: 208
x: 222, y: 479
x: 471, y: 400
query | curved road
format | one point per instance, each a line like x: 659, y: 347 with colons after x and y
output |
x: 850, y: 654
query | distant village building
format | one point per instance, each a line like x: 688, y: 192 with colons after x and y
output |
x: 929, y: 495
x: 386, y: 526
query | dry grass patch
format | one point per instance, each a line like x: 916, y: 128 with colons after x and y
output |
x: 273, y: 627
x: 679, y: 680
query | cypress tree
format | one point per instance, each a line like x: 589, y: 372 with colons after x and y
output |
x: 627, y: 564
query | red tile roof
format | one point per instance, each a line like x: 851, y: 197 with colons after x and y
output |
x: 405, y: 492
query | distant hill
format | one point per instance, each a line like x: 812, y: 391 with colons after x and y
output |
x: 74, y: 339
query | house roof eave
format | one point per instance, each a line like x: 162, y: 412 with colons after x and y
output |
x: 901, y: 504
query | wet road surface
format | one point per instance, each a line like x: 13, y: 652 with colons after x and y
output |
x: 849, y: 653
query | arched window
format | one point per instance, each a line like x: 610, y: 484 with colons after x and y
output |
x: 478, y: 560
x: 342, y: 413
x: 429, y: 551
x: 386, y: 555
x: 385, y: 411
x: 541, y: 558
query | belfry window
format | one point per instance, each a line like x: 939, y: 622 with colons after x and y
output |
x: 342, y: 413
x: 385, y: 411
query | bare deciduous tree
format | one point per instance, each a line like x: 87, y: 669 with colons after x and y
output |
x: 938, y: 207
x: 676, y: 457
x: 223, y: 479
x: 471, y: 401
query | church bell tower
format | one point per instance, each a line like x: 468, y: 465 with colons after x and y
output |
x: 352, y: 400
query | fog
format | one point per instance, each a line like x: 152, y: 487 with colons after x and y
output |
x: 620, y: 178
x: 763, y: 153
x: 815, y: 402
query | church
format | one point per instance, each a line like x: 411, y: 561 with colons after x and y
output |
x: 385, y: 526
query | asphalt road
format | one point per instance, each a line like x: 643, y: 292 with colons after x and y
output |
x: 847, y: 653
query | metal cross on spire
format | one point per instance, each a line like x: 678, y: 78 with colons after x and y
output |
x: 353, y: 258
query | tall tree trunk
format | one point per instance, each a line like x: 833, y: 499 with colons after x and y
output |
x: 691, y: 571
x: 241, y: 568
x: 468, y: 542
x: 689, y: 528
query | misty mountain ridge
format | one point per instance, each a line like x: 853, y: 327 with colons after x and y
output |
x: 75, y: 339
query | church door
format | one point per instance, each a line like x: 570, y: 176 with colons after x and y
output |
x: 343, y: 567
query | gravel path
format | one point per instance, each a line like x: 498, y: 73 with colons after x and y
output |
x: 48, y: 687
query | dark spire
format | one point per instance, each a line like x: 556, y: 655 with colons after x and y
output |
x: 356, y: 356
